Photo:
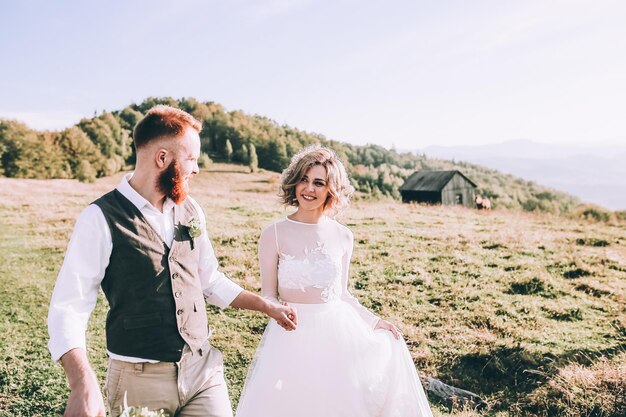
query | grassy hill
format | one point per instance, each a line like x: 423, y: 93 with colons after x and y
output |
x: 526, y: 309
x: 101, y: 146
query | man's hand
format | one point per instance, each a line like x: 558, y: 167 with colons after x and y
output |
x: 384, y: 324
x: 85, y: 398
x: 285, y: 315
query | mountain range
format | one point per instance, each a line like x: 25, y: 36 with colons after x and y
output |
x: 595, y: 175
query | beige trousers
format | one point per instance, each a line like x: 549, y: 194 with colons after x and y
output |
x: 193, y: 387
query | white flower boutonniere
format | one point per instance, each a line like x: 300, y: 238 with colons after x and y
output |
x: 193, y: 228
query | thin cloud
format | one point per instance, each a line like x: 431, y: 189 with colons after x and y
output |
x: 272, y: 8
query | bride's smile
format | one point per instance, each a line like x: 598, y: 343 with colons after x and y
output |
x: 312, y: 191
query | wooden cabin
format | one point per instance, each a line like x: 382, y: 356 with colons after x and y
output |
x: 439, y: 187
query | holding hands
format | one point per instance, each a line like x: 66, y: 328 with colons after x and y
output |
x: 285, y: 315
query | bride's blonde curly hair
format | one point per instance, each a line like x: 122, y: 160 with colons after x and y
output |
x: 339, y: 188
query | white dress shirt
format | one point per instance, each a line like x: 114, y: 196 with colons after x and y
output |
x: 87, y: 257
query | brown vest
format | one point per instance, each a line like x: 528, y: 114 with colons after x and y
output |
x: 154, y: 292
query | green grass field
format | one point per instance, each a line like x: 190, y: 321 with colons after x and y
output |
x: 526, y: 310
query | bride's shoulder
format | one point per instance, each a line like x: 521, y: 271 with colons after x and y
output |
x: 270, y: 229
x: 342, y: 229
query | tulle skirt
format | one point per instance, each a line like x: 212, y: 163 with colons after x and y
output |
x: 332, y: 365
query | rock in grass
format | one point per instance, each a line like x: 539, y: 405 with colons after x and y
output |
x: 452, y: 396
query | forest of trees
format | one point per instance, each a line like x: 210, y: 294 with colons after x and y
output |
x: 102, y: 145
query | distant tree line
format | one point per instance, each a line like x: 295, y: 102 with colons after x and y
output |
x: 102, y: 145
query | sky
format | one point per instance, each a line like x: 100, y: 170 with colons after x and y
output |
x: 407, y: 74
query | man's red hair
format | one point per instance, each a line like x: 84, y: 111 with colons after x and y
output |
x: 162, y: 120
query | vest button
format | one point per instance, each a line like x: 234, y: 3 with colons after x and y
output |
x: 177, y: 294
x: 175, y: 275
x: 183, y: 329
x: 172, y: 259
x: 179, y: 312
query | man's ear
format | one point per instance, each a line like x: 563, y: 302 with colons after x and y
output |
x: 162, y: 158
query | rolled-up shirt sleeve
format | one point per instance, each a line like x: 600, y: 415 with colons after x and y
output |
x: 217, y: 288
x: 76, y: 289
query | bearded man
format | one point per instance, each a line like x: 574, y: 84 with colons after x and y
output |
x: 145, y: 244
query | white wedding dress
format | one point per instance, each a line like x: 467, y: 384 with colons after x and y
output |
x: 334, y: 364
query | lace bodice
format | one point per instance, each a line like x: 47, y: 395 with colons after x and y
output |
x: 316, y: 270
x: 308, y: 263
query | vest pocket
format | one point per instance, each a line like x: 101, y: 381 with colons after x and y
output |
x: 142, y: 320
x: 196, y: 320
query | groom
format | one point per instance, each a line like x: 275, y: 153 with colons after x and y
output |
x: 145, y: 244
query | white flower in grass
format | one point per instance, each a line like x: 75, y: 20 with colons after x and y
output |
x: 140, y: 411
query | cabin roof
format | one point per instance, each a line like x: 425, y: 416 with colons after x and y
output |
x: 430, y: 180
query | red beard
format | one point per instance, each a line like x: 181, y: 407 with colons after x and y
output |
x: 170, y: 182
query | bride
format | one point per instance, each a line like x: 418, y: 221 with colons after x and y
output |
x: 341, y: 360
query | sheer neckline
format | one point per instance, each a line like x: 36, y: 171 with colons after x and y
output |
x: 322, y: 219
